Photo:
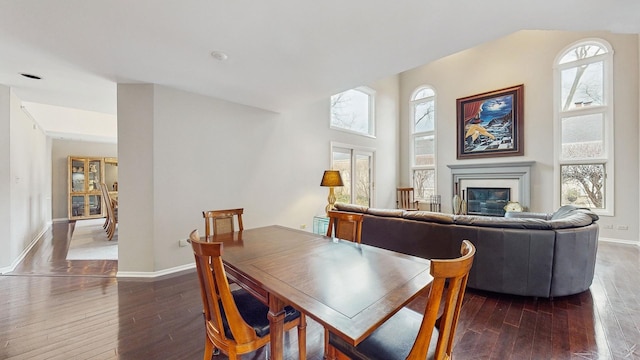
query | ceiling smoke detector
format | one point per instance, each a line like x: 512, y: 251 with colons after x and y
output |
x: 219, y: 55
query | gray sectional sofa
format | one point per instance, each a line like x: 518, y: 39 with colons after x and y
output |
x: 529, y: 254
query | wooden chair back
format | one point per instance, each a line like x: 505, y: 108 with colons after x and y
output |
x: 220, y: 307
x: 216, y: 295
x: 454, y: 273
x: 345, y: 225
x: 112, y: 214
x: 405, y: 199
x: 221, y: 221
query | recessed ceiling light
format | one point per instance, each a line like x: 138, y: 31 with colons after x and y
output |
x: 31, y: 76
x: 219, y: 55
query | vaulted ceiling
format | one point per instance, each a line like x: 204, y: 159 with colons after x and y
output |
x: 279, y: 53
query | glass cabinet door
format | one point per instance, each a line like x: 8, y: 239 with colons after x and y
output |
x: 95, y: 204
x: 77, y: 176
x: 77, y: 206
x: 94, y: 175
x: 86, y: 205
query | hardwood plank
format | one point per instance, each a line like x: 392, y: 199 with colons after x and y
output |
x: 542, y: 337
x: 524, y: 341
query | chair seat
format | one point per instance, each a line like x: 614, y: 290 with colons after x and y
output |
x: 254, y: 312
x: 392, y: 340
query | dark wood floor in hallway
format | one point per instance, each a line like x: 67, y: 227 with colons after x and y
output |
x: 51, y: 308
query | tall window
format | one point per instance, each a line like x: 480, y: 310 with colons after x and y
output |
x: 356, y: 169
x: 584, y: 125
x: 353, y: 110
x: 423, y: 142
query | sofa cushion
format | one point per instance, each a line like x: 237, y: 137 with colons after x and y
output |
x: 386, y: 212
x: 440, y: 218
x: 534, y: 215
x: 351, y: 207
x: 576, y: 219
x: 590, y: 213
x: 501, y: 222
x: 565, y: 211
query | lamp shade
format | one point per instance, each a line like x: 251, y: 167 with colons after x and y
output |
x: 331, y: 178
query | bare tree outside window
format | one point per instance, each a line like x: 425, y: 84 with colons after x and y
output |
x: 351, y: 110
x: 589, y: 90
x: 584, y: 117
x: 355, y: 168
x: 584, y: 184
x: 424, y: 183
x: 423, y: 160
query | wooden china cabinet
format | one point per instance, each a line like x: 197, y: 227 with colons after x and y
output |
x: 84, y: 194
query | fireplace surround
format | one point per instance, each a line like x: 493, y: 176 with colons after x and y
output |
x: 513, y: 175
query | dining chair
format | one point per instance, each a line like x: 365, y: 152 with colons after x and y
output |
x: 405, y: 199
x: 236, y: 322
x: 221, y: 221
x: 112, y: 212
x: 103, y: 189
x: 345, y: 225
x: 432, y: 337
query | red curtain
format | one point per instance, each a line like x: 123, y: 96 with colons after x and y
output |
x: 471, y: 109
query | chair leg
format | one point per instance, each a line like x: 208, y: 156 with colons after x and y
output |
x: 208, y: 348
x: 302, y: 337
x: 327, y: 355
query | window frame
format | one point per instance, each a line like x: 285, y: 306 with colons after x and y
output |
x: 371, y: 93
x: 605, y: 109
x: 354, y: 151
x: 413, y: 135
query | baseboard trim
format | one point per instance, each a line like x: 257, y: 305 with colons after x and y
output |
x: 178, y: 270
x: 619, y: 241
x: 26, y: 250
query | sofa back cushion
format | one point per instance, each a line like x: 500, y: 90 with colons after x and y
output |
x: 436, y: 217
x: 386, y: 212
x: 351, y: 207
x: 501, y: 222
x: 568, y: 210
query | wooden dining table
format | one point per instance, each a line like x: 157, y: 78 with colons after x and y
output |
x: 348, y: 288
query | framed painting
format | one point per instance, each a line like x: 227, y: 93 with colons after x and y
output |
x: 491, y: 124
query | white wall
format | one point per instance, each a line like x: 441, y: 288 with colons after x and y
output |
x: 60, y: 150
x: 527, y: 57
x: 181, y: 153
x: 25, y: 178
x: 6, y: 255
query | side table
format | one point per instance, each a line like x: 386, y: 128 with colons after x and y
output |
x: 320, y: 224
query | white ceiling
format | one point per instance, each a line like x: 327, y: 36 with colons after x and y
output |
x: 281, y: 53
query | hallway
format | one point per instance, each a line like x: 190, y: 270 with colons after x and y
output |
x: 48, y: 257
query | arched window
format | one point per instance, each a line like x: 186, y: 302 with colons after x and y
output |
x: 584, y: 125
x: 423, y: 142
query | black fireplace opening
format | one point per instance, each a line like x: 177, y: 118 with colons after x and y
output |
x: 487, y: 201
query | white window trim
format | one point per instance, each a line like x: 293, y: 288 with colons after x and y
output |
x: 372, y: 118
x: 413, y: 135
x: 609, y: 137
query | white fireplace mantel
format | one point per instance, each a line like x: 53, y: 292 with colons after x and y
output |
x: 519, y: 171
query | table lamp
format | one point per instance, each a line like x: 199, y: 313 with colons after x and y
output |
x: 331, y: 179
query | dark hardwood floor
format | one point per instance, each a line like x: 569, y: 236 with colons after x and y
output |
x: 51, y: 308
